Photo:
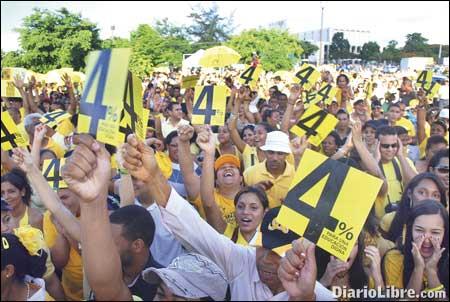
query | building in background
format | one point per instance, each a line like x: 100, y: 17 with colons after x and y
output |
x: 356, y: 38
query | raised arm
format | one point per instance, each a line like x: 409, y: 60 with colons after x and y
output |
x: 73, y: 101
x: 31, y: 103
x: 49, y: 198
x: 296, y: 91
x: 213, y: 214
x: 421, y: 118
x: 87, y: 172
x: 407, y: 171
x: 20, y: 86
x: 191, y: 179
x: 234, y: 133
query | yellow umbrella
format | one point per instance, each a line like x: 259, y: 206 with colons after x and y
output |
x: 219, y: 56
x: 78, y: 77
x: 54, y: 76
x: 284, y: 75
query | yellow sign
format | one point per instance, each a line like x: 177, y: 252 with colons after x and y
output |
x: 328, y: 203
x: 103, y: 94
x: 131, y: 119
x: 51, y: 169
x: 189, y: 81
x: 326, y: 94
x: 54, y: 118
x: 250, y: 76
x: 11, y: 137
x: 369, y: 90
x: 145, y: 118
x: 209, y: 105
x: 425, y: 81
x: 9, y: 73
x: 9, y: 90
x: 307, y: 76
x: 316, y: 124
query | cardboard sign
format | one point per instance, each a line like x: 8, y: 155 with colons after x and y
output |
x: 54, y: 118
x: 326, y: 94
x: 9, y: 90
x: 51, y: 169
x: 209, y: 105
x: 9, y: 73
x: 425, y: 81
x: 307, y: 76
x: 250, y: 76
x: 368, y: 90
x: 11, y: 137
x: 316, y: 124
x: 328, y: 203
x: 131, y: 118
x: 103, y: 94
x: 189, y: 81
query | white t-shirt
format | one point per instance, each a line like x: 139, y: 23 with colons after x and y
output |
x: 167, y: 127
x: 40, y: 295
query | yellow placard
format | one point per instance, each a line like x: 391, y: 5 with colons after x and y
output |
x: 209, y: 105
x: 51, y: 169
x: 326, y: 94
x: 9, y: 90
x: 425, y: 81
x: 307, y: 76
x: 103, y: 94
x: 9, y: 73
x: 316, y: 124
x: 328, y: 203
x: 145, y: 118
x: 131, y: 119
x: 11, y: 137
x: 189, y: 81
x: 250, y: 76
x: 368, y: 91
x: 54, y: 118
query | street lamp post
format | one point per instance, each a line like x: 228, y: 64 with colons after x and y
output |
x: 322, y: 7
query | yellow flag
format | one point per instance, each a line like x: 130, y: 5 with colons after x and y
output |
x: 328, y: 203
x: 103, y: 94
x: 316, y: 124
x: 189, y: 81
x: 11, y: 137
x: 250, y: 76
x: 209, y: 105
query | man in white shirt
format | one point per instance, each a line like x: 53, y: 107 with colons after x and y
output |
x: 175, y: 119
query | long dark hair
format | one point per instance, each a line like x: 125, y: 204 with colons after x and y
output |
x: 19, y: 180
x: 429, y: 207
x: 262, y: 197
x: 402, y: 212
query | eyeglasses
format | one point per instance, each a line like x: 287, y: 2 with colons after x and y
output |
x: 443, y: 169
x: 386, y: 146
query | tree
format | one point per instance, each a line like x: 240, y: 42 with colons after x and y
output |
x: 116, y: 42
x: 208, y: 26
x: 168, y: 29
x: 340, y: 47
x: 370, y: 51
x: 12, y: 59
x: 308, y: 48
x: 416, y: 45
x: 276, y: 47
x: 57, y: 39
x: 391, y: 53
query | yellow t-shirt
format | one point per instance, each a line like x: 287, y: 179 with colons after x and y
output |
x: 393, y: 269
x: 408, y: 125
x: 22, y: 114
x: 59, y: 151
x: 23, y: 132
x: 386, y: 221
x: 395, y: 188
x: 65, y: 127
x: 225, y: 204
x: 72, y: 276
x: 281, y: 184
x: 229, y: 231
x: 423, y: 145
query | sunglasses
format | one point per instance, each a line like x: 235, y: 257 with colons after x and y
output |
x: 443, y: 169
x: 386, y: 146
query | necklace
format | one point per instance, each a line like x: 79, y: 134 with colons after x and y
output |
x: 28, y: 290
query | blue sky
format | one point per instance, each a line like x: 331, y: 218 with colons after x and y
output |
x: 385, y: 20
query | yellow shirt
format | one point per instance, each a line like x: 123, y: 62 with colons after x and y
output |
x: 393, y: 269
x: 24, y: 221
x: 22, y: 114
x: 52, y: 145
x: 280, y: 186
x: 395, y: 188
x: 386, y: 221
x: 72, y: 276
x: 23, y: 132
x: 225, y: 204
x: 65, y: 127
x: 408, y: 125
x: 229, y: 231
x: 423, y: 145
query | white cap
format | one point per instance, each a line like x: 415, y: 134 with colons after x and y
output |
x: 444, y: 113
x: 277, y: 141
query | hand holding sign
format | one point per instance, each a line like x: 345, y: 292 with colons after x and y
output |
x: 10, y: 136
x: 307, y: 76
x: 328, y: 203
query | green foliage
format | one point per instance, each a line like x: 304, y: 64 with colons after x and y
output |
x: 391, y: 53
x: 416, y: 45
x: 340, y: 47
x: 56, y: 39
x: 275, y: 47
x: 308, y: 48
x: 116, y: 42
x: 208, y: 26
x: 12, y: 59
x: 370, y: 51
x: 168, y: 29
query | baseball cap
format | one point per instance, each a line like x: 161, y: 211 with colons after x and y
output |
x: 191, y: 276
x: 277, y: 141
x: 375, y: 104
x: 274, y: 236
x: 357, y: 102
x: 227, y: 159
x: 5, y: 206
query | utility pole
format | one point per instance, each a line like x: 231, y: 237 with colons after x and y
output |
x: 322, y: 7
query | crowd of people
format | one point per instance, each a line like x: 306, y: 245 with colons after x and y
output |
x: 188, y: 213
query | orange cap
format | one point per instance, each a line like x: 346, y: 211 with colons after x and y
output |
x: 227, y: 159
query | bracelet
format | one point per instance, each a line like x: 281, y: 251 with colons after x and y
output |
x: 437, y: 288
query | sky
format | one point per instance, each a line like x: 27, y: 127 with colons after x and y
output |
x: 385, y: 20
